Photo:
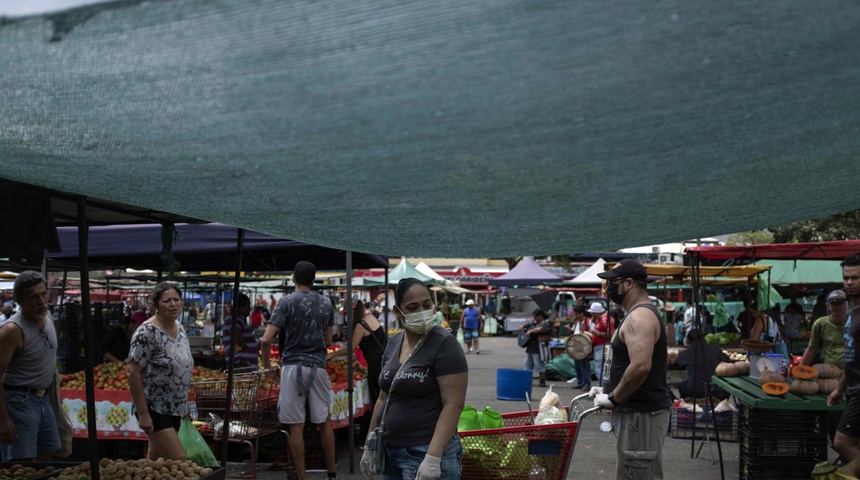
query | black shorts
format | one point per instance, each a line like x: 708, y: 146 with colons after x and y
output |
x: 162, y: 422
x: 850, y: 422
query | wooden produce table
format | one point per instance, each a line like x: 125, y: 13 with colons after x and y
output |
x: 780, y: 437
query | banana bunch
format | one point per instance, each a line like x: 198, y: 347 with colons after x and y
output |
x: 826, y: 471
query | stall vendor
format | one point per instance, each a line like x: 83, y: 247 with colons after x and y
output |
x: 700, y: 361
x: 117, y: 342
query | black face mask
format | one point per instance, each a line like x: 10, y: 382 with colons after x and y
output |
x: 612, y: 291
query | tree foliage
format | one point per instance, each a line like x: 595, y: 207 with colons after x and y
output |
x: 842, y: 226
x: 755, y: 237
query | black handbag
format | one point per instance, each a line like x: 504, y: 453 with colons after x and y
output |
x: 522, y: 338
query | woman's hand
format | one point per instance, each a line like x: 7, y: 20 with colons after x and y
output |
x: 145, y: 422
x: 430, y: 468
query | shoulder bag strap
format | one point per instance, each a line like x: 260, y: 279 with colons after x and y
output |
x: 391, y: 389
x: 367, y: 327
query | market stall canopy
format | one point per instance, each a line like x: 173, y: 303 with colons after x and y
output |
x: 807, y: 272
x: 427, y: 270
x: 527, y: 272
x: 446, y: 128
x: 198, y: 248
x: 589, y: 275
x: 739, y: 271
x: 836, y: 250
x: 404, y: 269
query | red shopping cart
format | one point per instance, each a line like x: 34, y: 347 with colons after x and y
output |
x: 521, y: 450
x: 253, y: 409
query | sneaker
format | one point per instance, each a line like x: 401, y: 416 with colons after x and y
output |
x: 477, y: 352
x: 331, y: 476
x: 572, y: 380
x: 542, y: 383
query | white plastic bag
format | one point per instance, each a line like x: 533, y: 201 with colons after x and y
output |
x: 549, y: 415
x: 550, y: 399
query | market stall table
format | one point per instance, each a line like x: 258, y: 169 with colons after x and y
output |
x: 782, y: 436
x: 114, y: 420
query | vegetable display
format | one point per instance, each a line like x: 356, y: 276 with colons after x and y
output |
x: 775, y: 388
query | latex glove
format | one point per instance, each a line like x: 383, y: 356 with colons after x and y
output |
x: 595, y: 391
x: 430, y: 468
x: 602, y: 400
x: 366, y: 465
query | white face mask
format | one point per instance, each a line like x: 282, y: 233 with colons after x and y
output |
x: 418, y: 322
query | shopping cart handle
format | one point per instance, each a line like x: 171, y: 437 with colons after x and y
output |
x: 578, y: 410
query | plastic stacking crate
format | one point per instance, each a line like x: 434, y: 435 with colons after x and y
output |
x: 683, y: 420
x: 752, y: 468
x: 800, y: 434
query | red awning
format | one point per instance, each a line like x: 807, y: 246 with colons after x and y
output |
x: 780, y: 251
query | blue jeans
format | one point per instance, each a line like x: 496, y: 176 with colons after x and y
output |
x: 583, y: 372
x: 35, y: 426
x: 401, y: 463
x: 598, y: 364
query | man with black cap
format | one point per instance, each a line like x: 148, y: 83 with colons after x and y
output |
x: 636, y: 388
x: 826, y: 340
x: 827, y: 344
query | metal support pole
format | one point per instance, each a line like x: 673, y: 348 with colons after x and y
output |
x: 350, y: 382
x: 86, y: 320
x: 240, y: 242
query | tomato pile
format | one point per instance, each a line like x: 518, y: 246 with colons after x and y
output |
x: 112, y: 376
x: 336, y: 369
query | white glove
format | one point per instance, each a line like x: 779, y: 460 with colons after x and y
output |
x: 430, y: 468
x: 595, y: 391
x: 366, y: 465
x: 602, y: 400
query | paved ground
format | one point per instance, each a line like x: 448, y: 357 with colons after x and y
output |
x: 594, y: 453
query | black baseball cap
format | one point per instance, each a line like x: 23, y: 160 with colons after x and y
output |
x: 627, y: 268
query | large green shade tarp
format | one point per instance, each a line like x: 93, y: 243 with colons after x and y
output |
x: 444, y: 128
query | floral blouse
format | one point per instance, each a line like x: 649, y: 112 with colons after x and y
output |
x: 165, y: 365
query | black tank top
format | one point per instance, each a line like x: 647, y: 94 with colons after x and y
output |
x: 652, y: 395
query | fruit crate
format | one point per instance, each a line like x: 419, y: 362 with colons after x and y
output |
x: 682, y: 420
x: 752, y: 468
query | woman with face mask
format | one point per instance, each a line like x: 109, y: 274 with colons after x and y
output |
x: 423, y: 382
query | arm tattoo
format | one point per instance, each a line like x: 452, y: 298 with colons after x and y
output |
x: 629, y: 324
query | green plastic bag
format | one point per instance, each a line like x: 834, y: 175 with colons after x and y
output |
x: 469, y: 419
x: 491, y: 418
x: 195, y: 446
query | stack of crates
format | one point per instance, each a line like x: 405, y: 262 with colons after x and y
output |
x: 781, y: 444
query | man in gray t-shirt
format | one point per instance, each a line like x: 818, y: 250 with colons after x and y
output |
x: 28, y: 355
x: 307, y: 319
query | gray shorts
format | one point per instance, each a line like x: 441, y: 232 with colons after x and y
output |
x: 639, y: 450
x: 317, y: 399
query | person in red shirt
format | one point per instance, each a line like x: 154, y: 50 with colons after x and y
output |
x: 601, y: 332
x: 257, y: 316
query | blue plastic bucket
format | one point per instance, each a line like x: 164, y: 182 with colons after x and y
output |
x: 513, y: 384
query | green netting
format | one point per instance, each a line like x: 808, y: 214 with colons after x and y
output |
x: 445, y: 128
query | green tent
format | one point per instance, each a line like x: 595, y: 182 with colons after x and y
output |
x: 808, y: 272
x: 443, y: 128
x: 404, y: 269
